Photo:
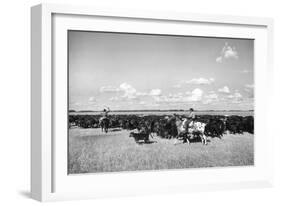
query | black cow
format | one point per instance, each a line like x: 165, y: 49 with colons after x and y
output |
x: 215, y: 128
x: 248, y: 124
x: 234, y: 124
x: 140, y: 136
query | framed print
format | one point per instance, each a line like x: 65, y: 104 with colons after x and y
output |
x: 137, y: 102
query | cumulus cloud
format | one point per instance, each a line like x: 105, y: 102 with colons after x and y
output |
x: 245, y: 71
x: 193, y: 96
x: 167, y: 99
x: 224, y: 89
x: 92, y: 99
x: 249, y: 86
x: 141, y: 94
x: 196, y: 95
x: 177, y: 86
x: 155, y: 92
x: 77, y: 103
x: 129, y: 91
x: 113, y: 99
x: 200, y: 80
x: 219, y: 59
x: 195, y: 81
x: 236, y: 97
x: 179, y: 94
x: 211, y: 97
x: 104, y: 89
x: 227, y: 52
x: 230, y: 52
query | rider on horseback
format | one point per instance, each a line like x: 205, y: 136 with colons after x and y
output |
x: 105, y: 112
x: 104, y: 120
x: 190, y: 119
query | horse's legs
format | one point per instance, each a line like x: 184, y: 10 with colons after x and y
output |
x: 204, y: 139
x: 187, y: 140
x: 176, y: 140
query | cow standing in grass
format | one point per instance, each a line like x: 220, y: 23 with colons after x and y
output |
x: 142, y: 134
x: 215, y: 128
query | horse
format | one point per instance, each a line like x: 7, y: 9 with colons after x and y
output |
x: 198, y: 129
x: 104, y: 124
x: 195, y: 129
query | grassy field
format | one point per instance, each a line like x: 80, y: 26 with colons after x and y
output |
x: 91, y: 151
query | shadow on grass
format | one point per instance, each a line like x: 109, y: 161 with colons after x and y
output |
x: 115, y: 130
x: 147, y: 142
x: 195, y: 140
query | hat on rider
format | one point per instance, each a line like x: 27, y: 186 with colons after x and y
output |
x: 191, y: 109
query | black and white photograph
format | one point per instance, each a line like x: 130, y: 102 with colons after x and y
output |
x: 141, y: 102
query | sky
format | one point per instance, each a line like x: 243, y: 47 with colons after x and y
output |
x: 140, y: 71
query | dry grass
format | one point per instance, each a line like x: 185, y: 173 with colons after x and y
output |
x: 90, y: 151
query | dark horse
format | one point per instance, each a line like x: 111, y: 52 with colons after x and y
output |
x: 104, y: 124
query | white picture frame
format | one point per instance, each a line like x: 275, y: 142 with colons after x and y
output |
x: 49, y: 179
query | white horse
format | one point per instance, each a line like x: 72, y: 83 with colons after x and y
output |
x: 198, y: 129
x: 195, y: 129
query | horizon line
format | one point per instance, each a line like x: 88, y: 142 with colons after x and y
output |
x: 72, y: 110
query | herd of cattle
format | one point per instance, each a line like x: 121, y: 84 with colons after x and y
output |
x: 165, y: 127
